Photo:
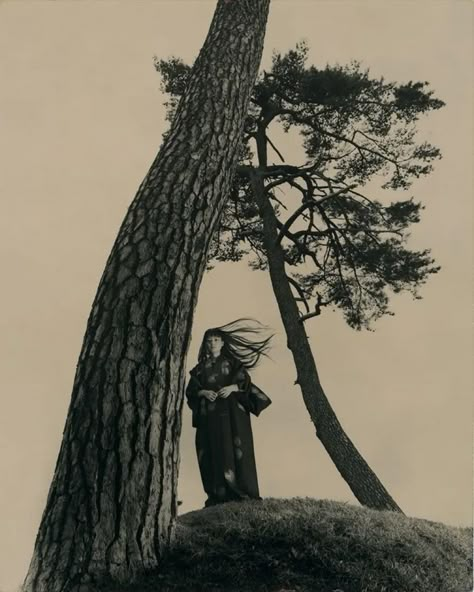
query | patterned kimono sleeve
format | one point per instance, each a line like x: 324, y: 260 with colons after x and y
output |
x: 249, y: 395
x: 192, y: 397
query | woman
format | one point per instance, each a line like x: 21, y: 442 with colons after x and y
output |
x: 221, y: 396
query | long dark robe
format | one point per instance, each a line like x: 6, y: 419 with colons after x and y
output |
x: 224, y: 441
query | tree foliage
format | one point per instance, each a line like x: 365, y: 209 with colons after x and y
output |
x: 345, y: 248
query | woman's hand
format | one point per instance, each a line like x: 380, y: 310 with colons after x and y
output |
x: 209, y: 395
x: 225, y: 391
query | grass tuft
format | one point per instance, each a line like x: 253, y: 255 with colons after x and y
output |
x: 308, y: 545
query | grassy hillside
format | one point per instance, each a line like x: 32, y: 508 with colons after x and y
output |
x: 308, y: 545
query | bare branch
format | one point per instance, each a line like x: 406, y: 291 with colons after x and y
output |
x: 280, y: 203
x: 336, y: 193
x: 317, y: 310
x: 298, y: 288
x: 286, y: 179
x: 311, y: 203
x: 274, y: 148
x: 285, y: 227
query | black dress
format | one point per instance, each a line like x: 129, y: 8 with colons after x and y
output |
x: 224, y: 442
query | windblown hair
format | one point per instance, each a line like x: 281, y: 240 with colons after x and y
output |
x: 243, y: 340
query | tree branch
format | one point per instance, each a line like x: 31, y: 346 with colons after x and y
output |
x: 311, y: 203
x: 274, y: 148
x: 317, y: 310
x: 298, y: 288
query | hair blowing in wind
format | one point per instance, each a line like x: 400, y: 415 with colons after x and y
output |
x: 245, y: 339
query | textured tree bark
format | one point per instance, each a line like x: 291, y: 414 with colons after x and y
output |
x: 363, y: 482
x: 112, y: 502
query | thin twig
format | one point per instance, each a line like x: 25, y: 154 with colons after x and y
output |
x: 274, y: 148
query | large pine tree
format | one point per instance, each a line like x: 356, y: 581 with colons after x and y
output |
x: 325, y: 239
x: 112, y: 501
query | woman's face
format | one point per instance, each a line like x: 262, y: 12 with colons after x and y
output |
x: 214, y: 344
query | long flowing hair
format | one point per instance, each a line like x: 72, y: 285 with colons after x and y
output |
x: 243, y: 339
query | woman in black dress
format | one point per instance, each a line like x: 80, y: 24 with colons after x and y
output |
x: 221, y: 396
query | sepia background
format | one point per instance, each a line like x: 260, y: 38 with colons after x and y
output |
x: 81, y: 121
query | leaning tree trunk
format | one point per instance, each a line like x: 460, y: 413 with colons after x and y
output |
x: 112, y: 502
x: 363, y: 482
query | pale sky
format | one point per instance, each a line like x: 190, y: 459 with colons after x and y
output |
x: 81, y: 119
